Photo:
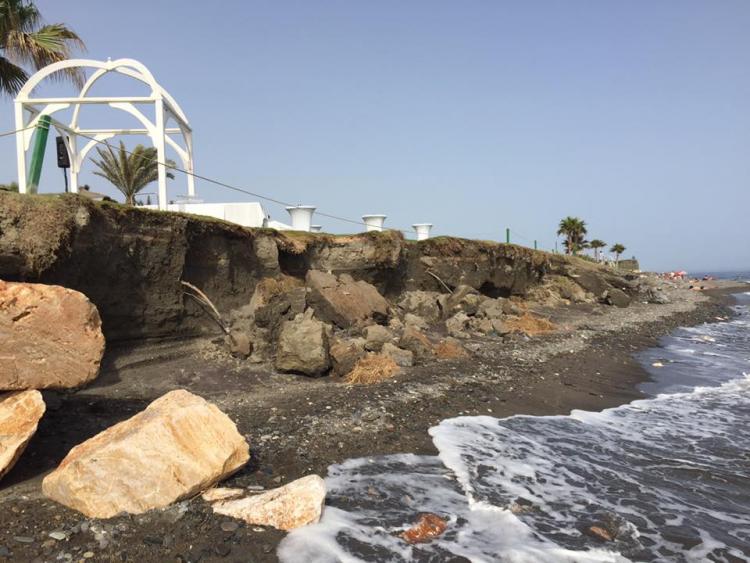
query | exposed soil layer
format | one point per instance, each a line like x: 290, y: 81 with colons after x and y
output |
x: 297, y: 425
x: 130, y: 261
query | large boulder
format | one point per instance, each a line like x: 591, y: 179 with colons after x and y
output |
x: 292, y: 506
x: 178, y: 446
x: 20, y: 413
x: 591, y: 281
x: 50, y: 337
x: 343, y: 301
x: 303, y: 347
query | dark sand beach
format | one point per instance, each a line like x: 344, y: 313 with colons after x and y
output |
x: 297, y: 426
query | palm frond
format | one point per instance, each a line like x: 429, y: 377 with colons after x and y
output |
x: 12, y: 77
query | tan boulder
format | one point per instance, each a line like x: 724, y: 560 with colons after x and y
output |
x: 50, y: 337
x: 292, y: 506
x: 303, y: 347
x: 343, y: 301
x: 178, y: 446
x: 20, y: 413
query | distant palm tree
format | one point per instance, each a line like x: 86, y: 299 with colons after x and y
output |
x: 27, y: 44
x: 597, y: 244
x: 574, y: 231
x: 617, y: 249
x: 129, y: 171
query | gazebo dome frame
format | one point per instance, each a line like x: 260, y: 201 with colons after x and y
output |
x: 28, y: 111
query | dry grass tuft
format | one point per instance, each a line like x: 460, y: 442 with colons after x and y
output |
x: 530, y: 325
x: 449, y: 350
x: 372, y: 369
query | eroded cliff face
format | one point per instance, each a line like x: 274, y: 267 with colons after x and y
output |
x: 130, y: 262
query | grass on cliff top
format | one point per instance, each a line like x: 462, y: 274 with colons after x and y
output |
x: 36, y: 227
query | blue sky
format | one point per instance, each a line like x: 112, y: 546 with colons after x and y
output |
x: 472, y: 115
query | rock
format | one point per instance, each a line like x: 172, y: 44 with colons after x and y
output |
x: 20, y: 413
x: 416, y: 342
x: 511, y: 308
x: 657, y: 297
x: 239, y: 344
x: 458, y: 325
x: 600, y: 533
x: 427, y: 528
x: 416, y: 321
x: 178, y: 446
x: 303, y: 347
x: 591, y: 281
x: 50, y: 337
x: 376, y: 336
x: 267, y: 253
x: 345, y: 354
x: 616, y: 297
x: 570, y: 290
x: 422, y: 303
x: 373, y: 368
x: 222, y: 493
x: 491, y: 308
x: 292, y: 506
x: 343, y: 301
x: 450, y: 349
x: 274, y: 300
x: 403, y: 358
x: 464, y: 299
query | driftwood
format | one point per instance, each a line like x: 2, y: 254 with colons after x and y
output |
x: 441, y: 281
x: 207, y: 305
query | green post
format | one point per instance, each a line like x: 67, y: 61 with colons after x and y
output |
x: 535, y: 248
x: 507, y: 235
x: 37, y: 155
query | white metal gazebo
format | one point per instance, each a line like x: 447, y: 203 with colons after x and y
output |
x: 28, y: 111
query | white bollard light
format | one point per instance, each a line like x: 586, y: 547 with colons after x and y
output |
x: 316, y: 228
x: 374, y: 222
x: 301, y: 217
x: 423, y: 230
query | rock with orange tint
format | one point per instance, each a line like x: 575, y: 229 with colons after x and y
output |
x: 450, y: 349
x: 292, y: 506
x: 19, y: 416
x: 50, y: 337
x: 177, y: 447
x: 427, y: 528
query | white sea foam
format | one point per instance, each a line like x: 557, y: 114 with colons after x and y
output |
x: 670, y: 475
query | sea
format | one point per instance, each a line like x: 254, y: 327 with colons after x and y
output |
x: 667, y: 476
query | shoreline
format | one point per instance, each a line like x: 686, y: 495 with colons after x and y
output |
x: 297, y: 426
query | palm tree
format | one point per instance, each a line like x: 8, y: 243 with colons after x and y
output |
x: 129, y: 171
x: 574, y: 231
x: 27, y: 44
x: 617, y: 249
x: 596, y: 244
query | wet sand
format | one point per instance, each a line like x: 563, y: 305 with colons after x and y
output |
x: 297, y: 426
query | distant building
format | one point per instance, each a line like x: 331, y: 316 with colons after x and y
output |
x: 246, y: 214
